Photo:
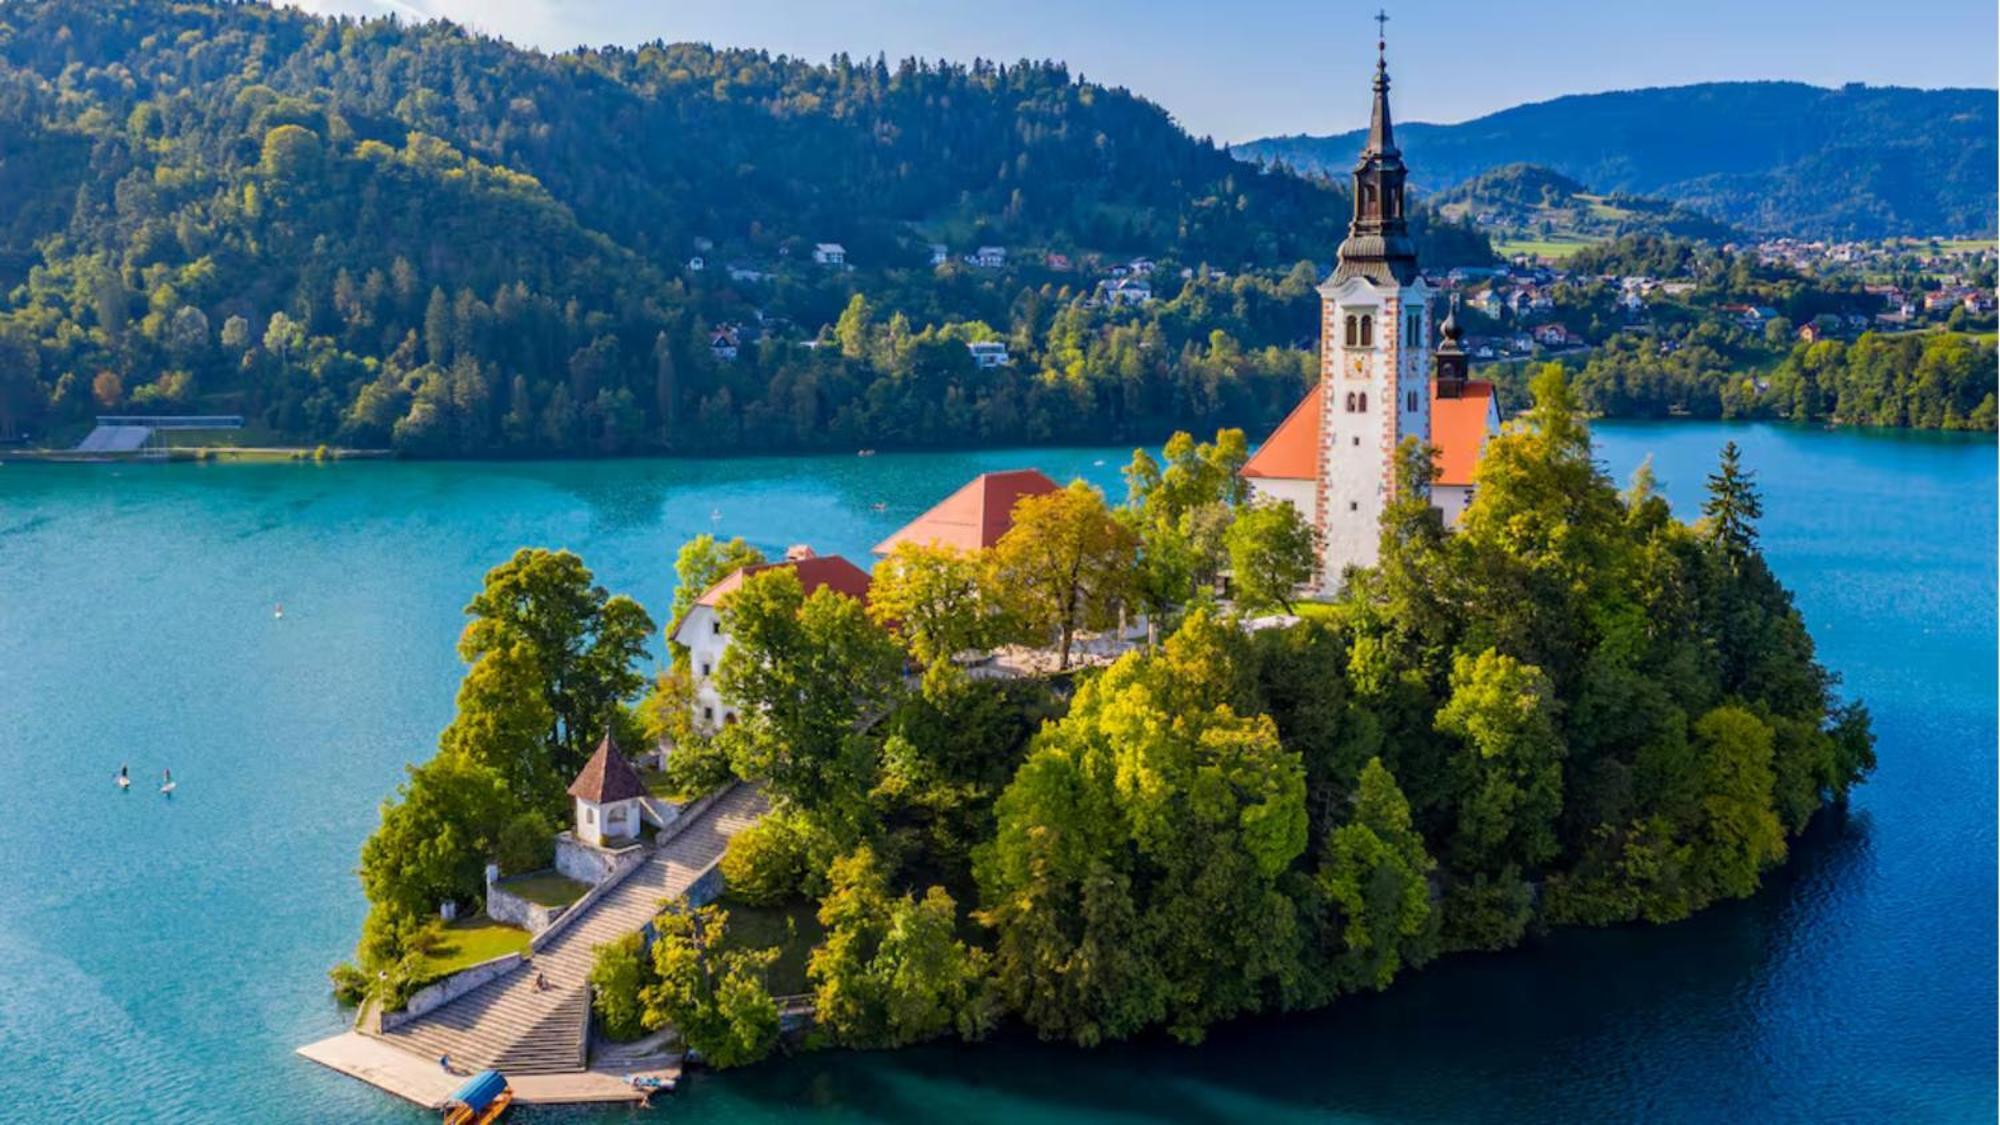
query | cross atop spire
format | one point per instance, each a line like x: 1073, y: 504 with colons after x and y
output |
x: 1378, y: 243
x: 1381, y: 135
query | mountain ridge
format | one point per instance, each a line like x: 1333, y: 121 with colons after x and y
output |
x: 1775, y: 157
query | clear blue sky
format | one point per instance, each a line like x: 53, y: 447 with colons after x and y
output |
x: 1248, y: 68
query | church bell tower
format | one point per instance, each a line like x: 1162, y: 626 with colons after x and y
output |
x: 1374, y: 353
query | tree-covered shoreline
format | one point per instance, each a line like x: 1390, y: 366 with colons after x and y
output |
x: 383, y: 235
x: 1572, y: 710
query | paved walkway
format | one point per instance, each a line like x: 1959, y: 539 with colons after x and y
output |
x: 512, y: 1026
x: 421, y: 1081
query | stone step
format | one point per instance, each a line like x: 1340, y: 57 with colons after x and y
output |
x: 513, y: 1026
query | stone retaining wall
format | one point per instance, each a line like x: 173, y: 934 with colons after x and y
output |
x: 707, y: 886
x: 592, y: 865
x: 439, y: 993
x: 506, y: 907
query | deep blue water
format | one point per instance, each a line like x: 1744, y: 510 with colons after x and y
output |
x: 159, y: 960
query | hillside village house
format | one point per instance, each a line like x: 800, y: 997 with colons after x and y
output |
x: 1126, y: 292
x: 940, y: 253
x: 1333, y: 458
x: 830, y: 254
x: 703, y: 634
x: 990, y: 257
x: 724, y: 341
x: 988, y: 353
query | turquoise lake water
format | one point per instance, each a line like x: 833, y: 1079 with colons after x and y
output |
x: 159, y: 960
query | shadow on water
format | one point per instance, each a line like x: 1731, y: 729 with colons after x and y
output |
x: 1569, y: 1027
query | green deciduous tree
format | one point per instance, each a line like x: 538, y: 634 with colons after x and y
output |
x: 620, y: 971
x: 547, y: 611
x: 891, y: 970
x: 806, y: 674
x: 1133, y: 878
x: 1271, y: 554
x: 935, y: 599
x: 1509, y: 775
x: 1376, y: 872
x: 714, y: 996
x: 1065, y: 565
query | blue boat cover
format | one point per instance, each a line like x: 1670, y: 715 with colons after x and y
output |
x: 480, y: 1089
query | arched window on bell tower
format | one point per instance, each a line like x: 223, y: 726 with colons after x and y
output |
x: 1367, y: 331
x: 1353, y: 331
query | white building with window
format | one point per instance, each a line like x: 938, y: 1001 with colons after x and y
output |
x: 1334, y: 457
x: 830, y: 254
x: 609, y: 798
x: 988, y: 353
x: 704, y: 631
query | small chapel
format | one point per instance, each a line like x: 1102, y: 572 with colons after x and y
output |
x: 1383, y: 378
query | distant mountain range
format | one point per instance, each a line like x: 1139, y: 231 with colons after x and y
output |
x: 1772, y: 157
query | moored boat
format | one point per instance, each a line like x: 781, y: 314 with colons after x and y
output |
x: 483, y: 1098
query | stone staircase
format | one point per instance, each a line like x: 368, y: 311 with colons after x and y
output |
x: 511, y: 1025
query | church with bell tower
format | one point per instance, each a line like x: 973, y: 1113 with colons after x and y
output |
x: 1334, y: 457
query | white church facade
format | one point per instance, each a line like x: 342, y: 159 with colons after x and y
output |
x: 1382, y: 379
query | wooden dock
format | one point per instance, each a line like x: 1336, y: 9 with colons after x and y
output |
x: 424, y: 1083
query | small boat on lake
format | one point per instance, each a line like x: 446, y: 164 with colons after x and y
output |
x: 124, y: 778
x: 483, y: 1098
x: 167, y: 782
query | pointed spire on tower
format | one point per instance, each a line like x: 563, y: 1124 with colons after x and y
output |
x: 1378, y: 243
x: 1381, y: 132
x: 1453, y: 367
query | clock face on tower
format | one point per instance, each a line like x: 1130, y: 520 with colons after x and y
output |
x: 1357, y: 367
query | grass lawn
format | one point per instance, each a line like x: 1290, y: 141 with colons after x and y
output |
x: 546, y: 889
x: 1555, y: 249
x: 794, y: 928
x: 469, y: 941
x: 656, y: 784
x: 1317, y: 611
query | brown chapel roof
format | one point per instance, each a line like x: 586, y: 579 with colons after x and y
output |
x: 607, y: 777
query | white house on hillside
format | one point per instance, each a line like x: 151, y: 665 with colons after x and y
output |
x: 830, y: 254
x: 988, y: 353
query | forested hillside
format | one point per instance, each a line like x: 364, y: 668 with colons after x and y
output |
x: 387, y: 235
x: 1528, y: 201
x: 1780, y: 157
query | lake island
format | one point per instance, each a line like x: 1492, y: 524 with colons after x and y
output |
x: 1277, y: 729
